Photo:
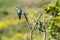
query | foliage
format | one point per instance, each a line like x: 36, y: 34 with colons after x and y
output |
x: 11, y: 28
x: 52, y: 9
x: 53, y: 25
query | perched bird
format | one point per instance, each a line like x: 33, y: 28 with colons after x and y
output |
x: 40, y: 26
x: 19, y: 12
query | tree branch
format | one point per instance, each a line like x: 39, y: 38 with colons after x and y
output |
x: 37, y: 21
x: 44, y: 27
x: 27, y: 21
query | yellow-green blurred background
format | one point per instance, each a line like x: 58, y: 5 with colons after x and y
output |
x: 11, y: 28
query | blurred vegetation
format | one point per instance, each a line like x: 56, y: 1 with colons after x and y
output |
x: 11, y: 28
x: 54, y: 25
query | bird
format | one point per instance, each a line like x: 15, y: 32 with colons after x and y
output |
x: 19, y: 12
x: 40, y: 26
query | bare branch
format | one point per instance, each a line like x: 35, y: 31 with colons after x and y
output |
x: 27, y: 21
x: 44, y: 17
x: 37, y: 21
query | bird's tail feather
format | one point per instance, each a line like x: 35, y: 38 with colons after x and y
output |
x: 19, y: 17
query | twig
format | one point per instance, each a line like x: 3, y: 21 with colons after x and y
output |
x: 27, y: 21
x: 37, y: 21
x: 44, y: 27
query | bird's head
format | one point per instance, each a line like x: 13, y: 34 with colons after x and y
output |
x: 17, y: 7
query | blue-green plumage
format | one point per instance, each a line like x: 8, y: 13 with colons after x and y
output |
x: 19, y: 12
x: 40, y: 26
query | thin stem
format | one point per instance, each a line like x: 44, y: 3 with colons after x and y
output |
x: 44, y: 36
x: 37, y: 21
x: 27, y: 21
x: 44, y: 27
x: 30, y: 28
x: 30, y: 35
